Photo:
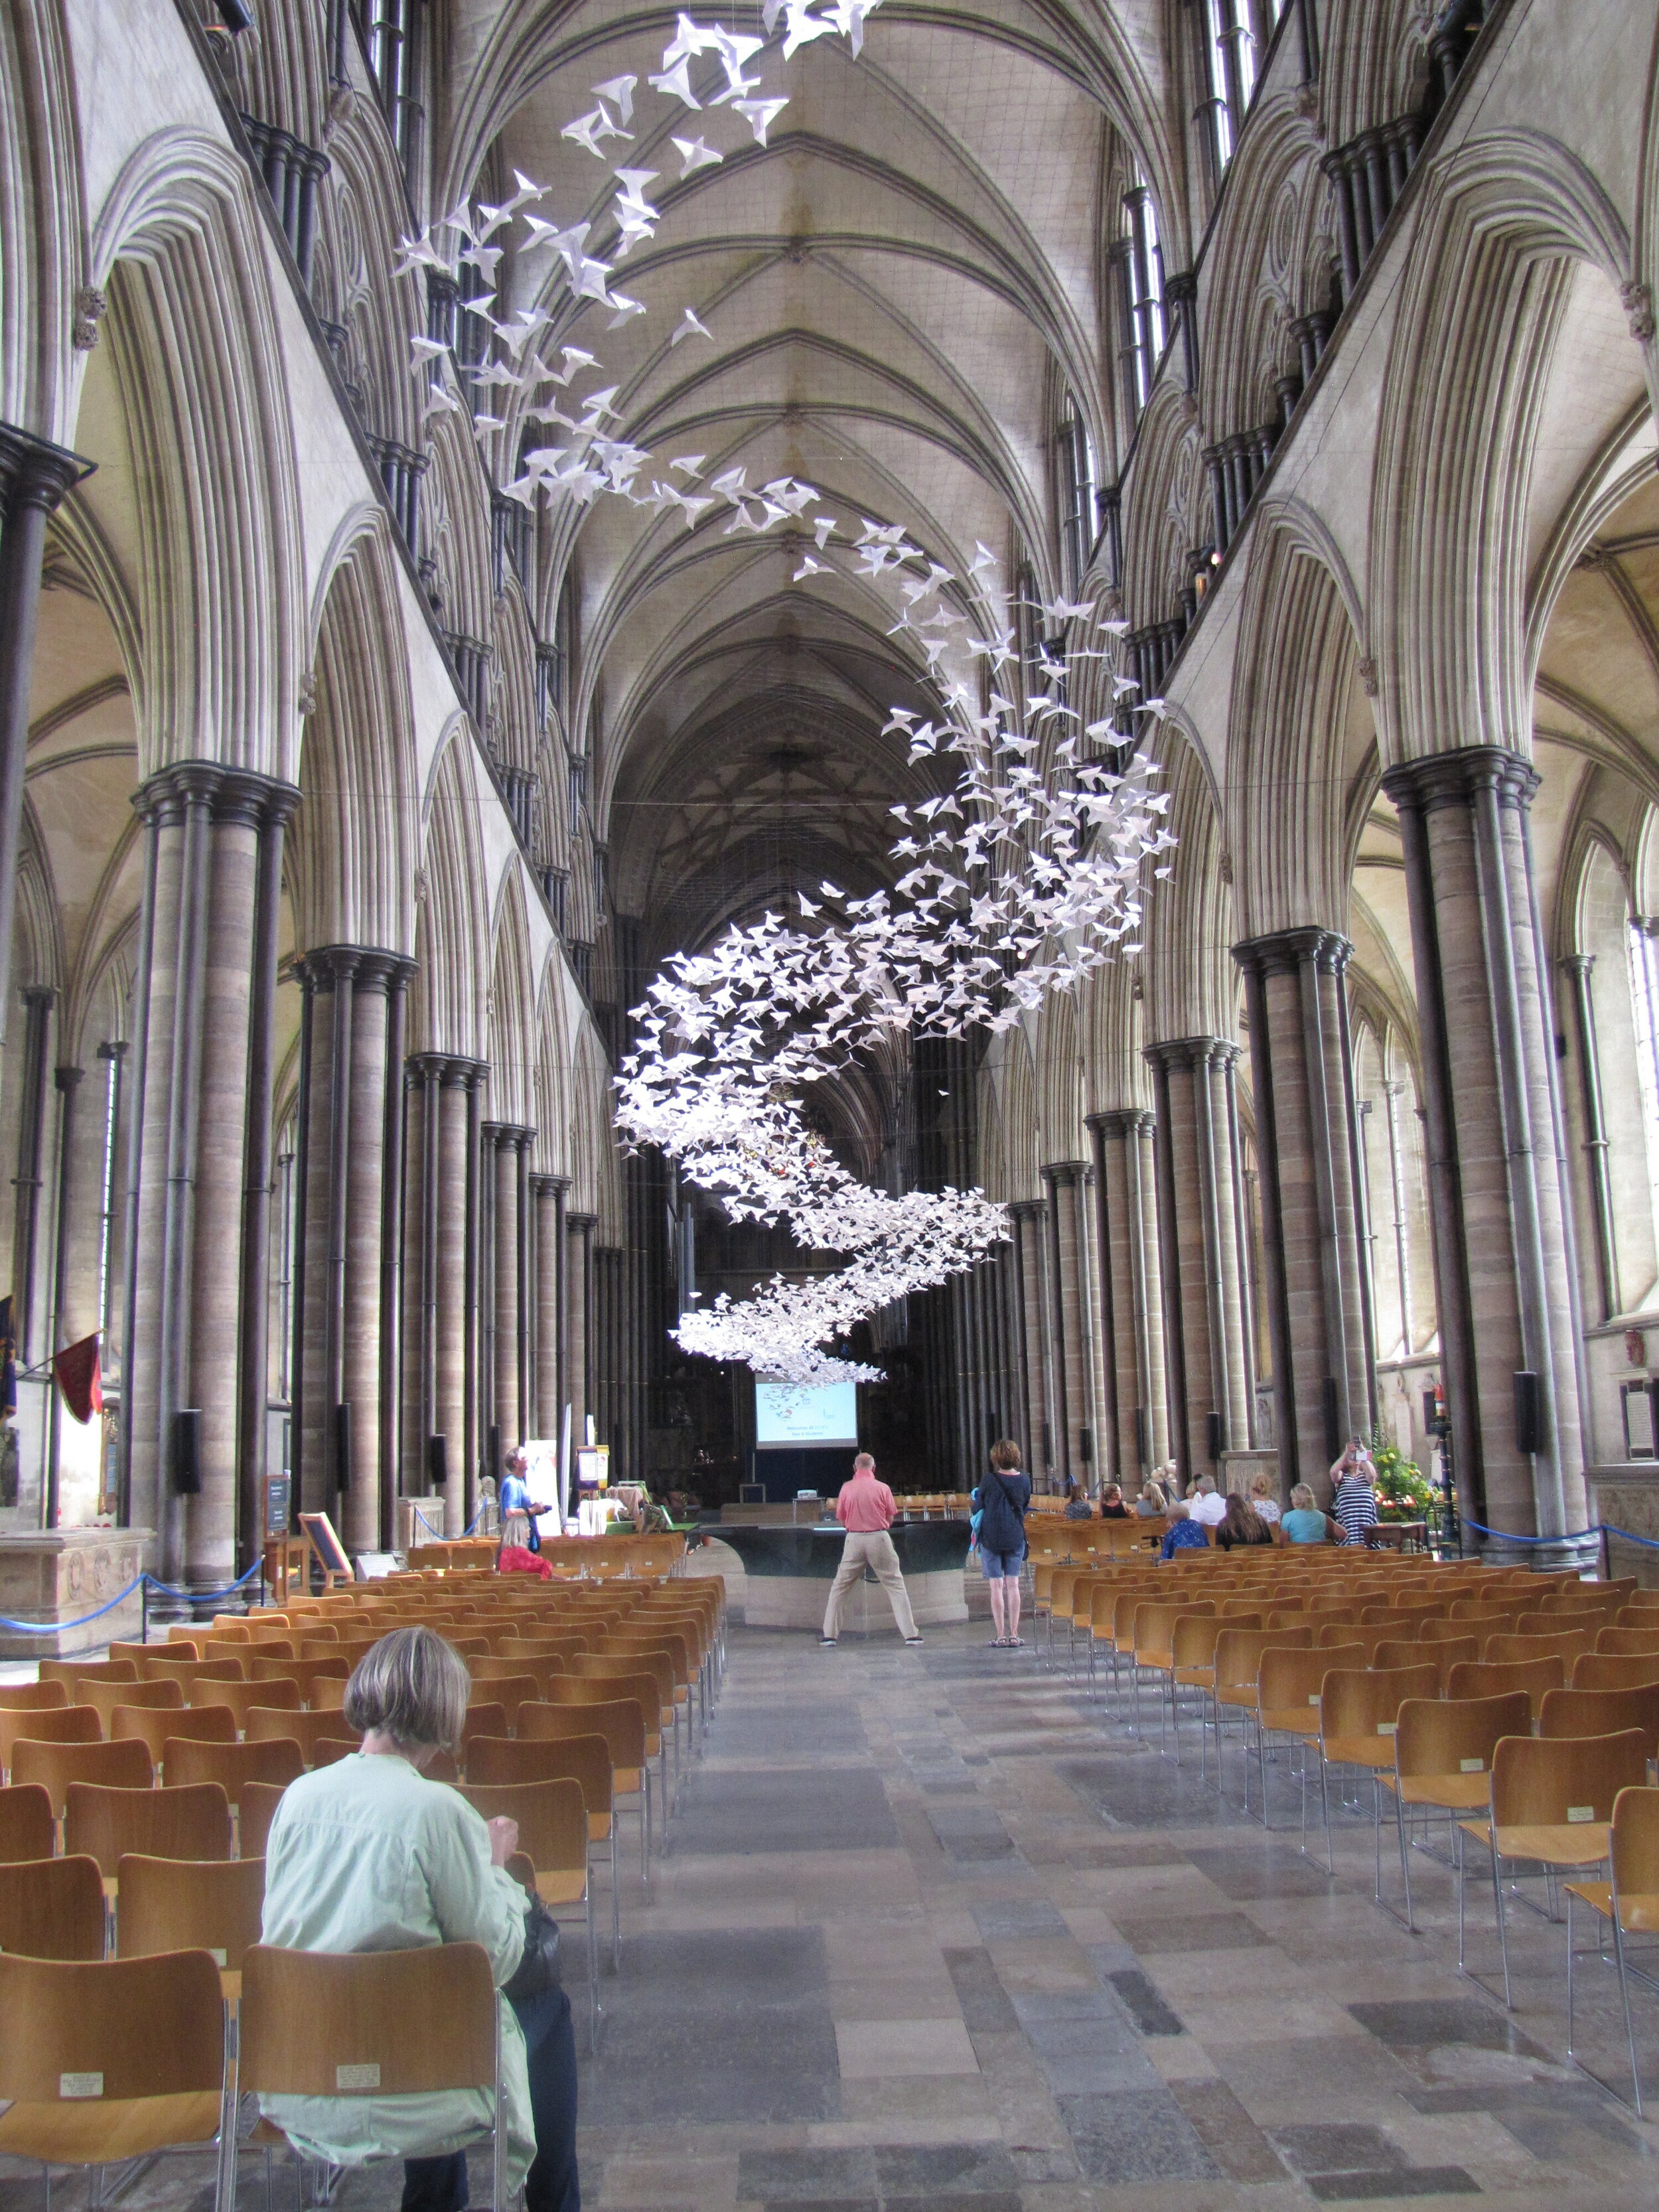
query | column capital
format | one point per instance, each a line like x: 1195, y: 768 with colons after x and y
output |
x: 115, y: 1048
x: 68, y: 1079
x: 1028, y: 1209
x: 43, y: 995
x: 549, y: 1186
x: 1282, y: 951
x: 34, y: 472
x: 1122, y: 1121
x: 232, y: 794
x: 1192, y: 1052
x: 1452, y: 779
x: 1579, y: 964
x: 583, y: 1223
x: 1064, y: 1173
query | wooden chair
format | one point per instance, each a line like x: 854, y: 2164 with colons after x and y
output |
x: 329, y: 1748
x: 399, y: 2023
x: 1496, y: 1678
x: 27, y: 1828
x: 1551, y: 1805
x: 584, y: 1759
x: 1602, y: 1712
x: 156, y: 1730
x: 1565, y: 1645
x: 163, y: 1823
x: 235, y: 1767
x: 649, y: 1679
x: 487, y: 1717
x: 304, y: 1674
x: 1359, y: 1713
x: 1610, y: 1670
x: 283, y: 1724
x: 1628, y: 1643
x: 243, y: 1698
x: 69, y: 1672
x: 32, y: 1697
x: 552, y: 1818
x: 1236, y: 1669
x: 622, y: 1722
x: 112, y: 2061
x: 539, y: 1667
x: 105, y: 1697
x: 1443, y: 1755
x: 1629, y: 1903
x: 256, y: 1808
x: 1371, y: 1635
x: 125, y: 1765
x: 47, y: 1725
x: 1287, y: 1705
x: 221, y: 1668
x: 1153, y: 1649
x: 1443, y: 1655
x: 508, y: 1690
x: 181, y: 1904
x: 52, y: 1909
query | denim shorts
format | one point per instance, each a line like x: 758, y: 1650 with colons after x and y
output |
x: 1001, y: 1566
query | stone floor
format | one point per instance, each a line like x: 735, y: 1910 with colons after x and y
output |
x: 935, y: 1930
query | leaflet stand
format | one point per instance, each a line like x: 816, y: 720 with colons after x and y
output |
x: 326, y: 1549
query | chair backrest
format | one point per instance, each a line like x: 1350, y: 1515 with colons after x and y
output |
x: 1456, y: 1736
x: 584, y: 1759
x: 1560, y: 1782
x: 192, y: 1823
x: 1602, y: 1712
x: 1636, y: 1843
x: 136, y: 2027
x: 508, y: 1690
x: 1371, y: 1637
x: 621, y: 1721
x: 267, y: 1724
x: 48, y: 1725
x: 1290, y: 1681
x: 175, y: 1905
x: 234, y: 1767
x: 552, y: 1818
x: 245, y: 1697
x: 222, y: 1667
x: 124, y: 1765
x: 1365, y: 1701
x: 69, y: 1672
x: 628, y: 1668
x: 488, y: 1717
x: 377, y: 2023
x: 1566, y: 1646
x: 1238, y: 1652
x: 1155, y: 1621
x: 1629, y: 1643
x: 25, y: 1823
x: 1612, y: 1670
x: 303, y: 1672
x: 105, y: 1698
x: 255, y: 1809
x: 155, y: 1731
x: 52, y: 1909
x: 32, y: 1697
x: 1496, y: 1678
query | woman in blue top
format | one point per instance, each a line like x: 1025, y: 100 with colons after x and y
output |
x: 518, y: 1509
x: 1305, y: 1524
x: 1002, y: 1499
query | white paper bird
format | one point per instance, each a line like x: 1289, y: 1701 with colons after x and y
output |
x: 694, y: 155
x: 690, y: 327
x: 619, y: 91
x: 760, y: 115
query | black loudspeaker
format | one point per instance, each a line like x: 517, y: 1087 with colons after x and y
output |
x: 1086, y: 1445
x: 1529, y: 1411
x: 187, y: 1452
x: 437, y: 1462
x: 343, y: 1445
x: 1141, y: 1457
x: 1428, y: 1412
x: 1212, y: 1436
x: 1333, y: 1438
x: 1047, y: 1445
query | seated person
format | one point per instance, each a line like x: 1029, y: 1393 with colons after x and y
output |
x: 1205, y: 1506
x: 1112, y: 1507
x: 1305, y: 1524
x: 1152, y: 1503
x: 1239, y: 1524
x: 1183, y: 1534
x: 1262, y: 1501
x: 367, y: 1855
x: 1077, y: 1507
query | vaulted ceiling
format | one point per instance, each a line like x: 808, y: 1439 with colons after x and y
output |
x: 899, y: 287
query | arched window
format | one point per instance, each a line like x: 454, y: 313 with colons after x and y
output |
x: 1615, y: 984
x: 1078, y: 480
x: 1143, y: 329
x: 1232, y: 38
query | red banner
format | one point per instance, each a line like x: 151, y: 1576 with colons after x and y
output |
x: 79, y: 1377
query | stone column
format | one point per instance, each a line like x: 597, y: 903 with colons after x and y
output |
x: 1505, y: 1269
x: 328, y: 980
x: 1308, y: 1150
x: 1066, y: 1186
x: 34, y: 476
x: 187, y: 1169
x: 471, y: 1276
x: 579, y: 1325
x: 252, y: 1355
x: 68, y: 1081
x: 1204, y: 1295
x: 1123, y: 1448
x: 490, y: 1398
x: 1579, y: 967
x: 511, y: 1291
x: 392, y: 1184
x: 38, y: 1000
x: 423, y: 1081
x: 548, y: 1193
x: 1031, y: 1273
x: 452, y: 1248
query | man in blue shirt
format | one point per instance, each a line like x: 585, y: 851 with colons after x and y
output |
x: 1183, y: 1532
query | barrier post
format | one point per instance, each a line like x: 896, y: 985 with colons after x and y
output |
x: 143, y: 1608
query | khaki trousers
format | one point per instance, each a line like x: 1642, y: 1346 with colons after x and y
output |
x: 876, y: 1552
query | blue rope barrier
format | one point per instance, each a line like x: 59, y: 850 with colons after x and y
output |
x: 1573, y: 1536
x: 56, y: 1627
x: 204, y: 1597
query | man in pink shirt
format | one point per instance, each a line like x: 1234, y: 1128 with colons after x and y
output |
x: 866, y: 1510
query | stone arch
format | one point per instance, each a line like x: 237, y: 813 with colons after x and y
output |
x: 1164, y: 531
x: 452, y: 932
x: 193, y: 332
x: 1060, y: 1077
x: 1300, y: 728
x: 511, y: 1044
x: 1504, y: 221
x: 554, y: 1135
x: 1191, y: 989
x: 42, y: 221
x: 354, y: 841
x: 457, y: 536
x: 1019, y: 1115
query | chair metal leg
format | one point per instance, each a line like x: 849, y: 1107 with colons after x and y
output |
x: 1503, y: 1924
x: 615, y: 1903
x: 1624, y: 1992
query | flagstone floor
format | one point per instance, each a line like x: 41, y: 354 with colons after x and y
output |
x: 935, y: 1930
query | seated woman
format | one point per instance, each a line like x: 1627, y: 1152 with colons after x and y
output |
x: 1077, y: 1507
x: 1151, y: 1503
x: 1112, y: 1507
x: 1263, y: 1503
x: 1241, y: 1524
x: 366, y: 1855
x: 1183, y: 1534
x: 1305, y: 1524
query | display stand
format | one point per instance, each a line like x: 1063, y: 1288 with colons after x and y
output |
x: 326, y: 1549
x: 285, y: 1562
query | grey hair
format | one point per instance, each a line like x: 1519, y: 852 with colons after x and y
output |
x: 1176, y: 1509
x: 1207, y: 1485
x: 1302, y: 1497
x: 412, y: 1686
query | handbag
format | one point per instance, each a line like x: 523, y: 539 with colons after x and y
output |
x: 538, y: 1969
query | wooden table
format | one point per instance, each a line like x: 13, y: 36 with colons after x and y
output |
x: 285, y: 1560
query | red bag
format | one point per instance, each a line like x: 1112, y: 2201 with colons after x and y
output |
x: 516, y: 1559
